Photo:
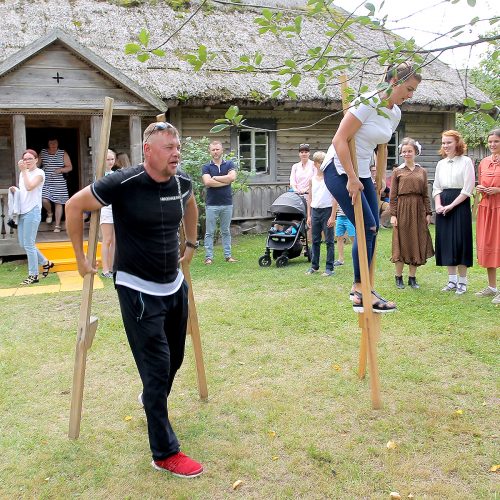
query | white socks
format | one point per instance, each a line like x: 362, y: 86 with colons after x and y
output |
x: 452, y: 278
x: 462, y: 281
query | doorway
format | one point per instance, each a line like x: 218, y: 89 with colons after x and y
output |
x: 36, y: 138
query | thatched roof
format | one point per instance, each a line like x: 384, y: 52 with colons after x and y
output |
x: 105, y: 28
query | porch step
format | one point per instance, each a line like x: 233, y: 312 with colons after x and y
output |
x: 62, y: 255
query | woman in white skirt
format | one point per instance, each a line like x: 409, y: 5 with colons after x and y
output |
x: 107, y: 226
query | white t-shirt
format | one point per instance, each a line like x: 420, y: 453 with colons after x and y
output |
x: 375, y: 129
x: 30, y: 199
x: 320, y: 196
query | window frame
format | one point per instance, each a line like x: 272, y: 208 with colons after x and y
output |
x: 268, y: 126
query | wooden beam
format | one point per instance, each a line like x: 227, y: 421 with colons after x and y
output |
x: 95, y: 130
x: 135, y: 134
x: 18, y: 140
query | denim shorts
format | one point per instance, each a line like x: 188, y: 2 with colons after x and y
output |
x: 342, y: 225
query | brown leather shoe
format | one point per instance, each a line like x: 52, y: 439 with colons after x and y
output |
x: 230, y: 259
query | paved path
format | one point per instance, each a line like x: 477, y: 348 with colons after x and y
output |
x: 70, y: 281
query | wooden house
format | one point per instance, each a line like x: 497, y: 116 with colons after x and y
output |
x: 58, y: 60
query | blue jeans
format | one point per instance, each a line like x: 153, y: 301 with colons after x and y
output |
x: 337, y: 185
x: 319, y: 218
x: 224, y: 213
x: 26, y: 233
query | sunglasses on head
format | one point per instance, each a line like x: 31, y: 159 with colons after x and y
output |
x: 304, y: 147
x: 159, y: 126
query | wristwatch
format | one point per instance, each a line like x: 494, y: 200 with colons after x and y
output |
x: 192, y: 245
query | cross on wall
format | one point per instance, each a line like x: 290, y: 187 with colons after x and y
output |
x: 58, y: 77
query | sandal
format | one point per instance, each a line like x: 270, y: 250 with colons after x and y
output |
x: 30, y: 280
x: 57, y: 229
x: 208, y: 261
x: 48, y: 219
x: 46, y: 268
x: 450, y: 287
x: 380, y: 306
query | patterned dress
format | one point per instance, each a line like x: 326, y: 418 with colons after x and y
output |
x: 488, y: 215
x: 410, y: 203
x: 55, y: 188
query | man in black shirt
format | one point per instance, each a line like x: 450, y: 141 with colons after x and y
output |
x: 148, y: 202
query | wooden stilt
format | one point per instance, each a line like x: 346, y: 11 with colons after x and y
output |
x: 381, y: 164
x: 193, y: 327
x: 370, y: 327
x: 87, y: 325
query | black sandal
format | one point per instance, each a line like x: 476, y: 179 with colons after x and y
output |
x: 381, y: 306
x: 46, y: 268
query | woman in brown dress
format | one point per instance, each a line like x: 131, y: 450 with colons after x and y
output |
x: 410, y: 214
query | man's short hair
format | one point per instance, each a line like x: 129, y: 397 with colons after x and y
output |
x: 157, y: 127
x: 213, y: 143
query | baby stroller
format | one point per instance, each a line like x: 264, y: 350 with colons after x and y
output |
x: 288, y: 233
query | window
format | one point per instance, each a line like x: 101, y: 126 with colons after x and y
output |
x: 256, y: 149
x: 392, y: 151
x: 253, y: 151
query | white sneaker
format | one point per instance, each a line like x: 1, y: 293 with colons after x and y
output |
x: 461, y: 289
x: 139, y: 398
x: 487, y: 292
x: 496, y: 300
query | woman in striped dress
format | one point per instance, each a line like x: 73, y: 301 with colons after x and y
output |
x: 55, y: 162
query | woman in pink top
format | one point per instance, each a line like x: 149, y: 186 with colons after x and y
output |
x: 303, y: 171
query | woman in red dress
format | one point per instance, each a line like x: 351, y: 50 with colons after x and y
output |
x: 488, y: 216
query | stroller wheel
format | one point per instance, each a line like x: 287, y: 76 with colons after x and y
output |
x: 265, y: 261
x: 282, y: 261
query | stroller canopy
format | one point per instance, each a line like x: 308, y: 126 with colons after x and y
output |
x: 289, y: 203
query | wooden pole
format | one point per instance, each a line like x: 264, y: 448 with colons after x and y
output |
x: 369, y: 325
x: 87, y: 325
x: 193, y: 327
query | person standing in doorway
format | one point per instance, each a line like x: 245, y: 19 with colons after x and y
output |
x: 55, y: 162
x: 217, y: 176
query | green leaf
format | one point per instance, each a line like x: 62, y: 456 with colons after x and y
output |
x: 144, y: 37
x: 202, y: 53
x: 472, y: 3
x: 295, y: 80
x: 291, y: 94
x: 218, y: 128
x: 267, y: 13
x: 486, y: 106
x: 143, y: 57
x: 221, y: 120
x: 489, y: 120
x: 469, y: 103
x: 158, y: 52
x: 132, y: 48
x: 371, y: 8
x: 231, y: 112
x: 258, y: 58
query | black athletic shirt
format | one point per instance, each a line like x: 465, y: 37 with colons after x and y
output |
x: 146, y: 217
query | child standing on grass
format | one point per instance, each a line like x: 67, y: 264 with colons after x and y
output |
x: 320, y: 217
x: 342, y: 226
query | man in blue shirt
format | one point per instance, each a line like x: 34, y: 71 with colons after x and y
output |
x: 217, y: 176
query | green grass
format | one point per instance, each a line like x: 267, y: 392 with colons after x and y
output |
x: 286, y: 412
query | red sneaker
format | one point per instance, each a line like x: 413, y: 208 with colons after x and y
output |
x: 179, y: 465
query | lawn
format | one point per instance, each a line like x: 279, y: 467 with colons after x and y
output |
x: 286, y: 413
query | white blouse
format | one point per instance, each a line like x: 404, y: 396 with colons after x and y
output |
x: 457, y: 173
